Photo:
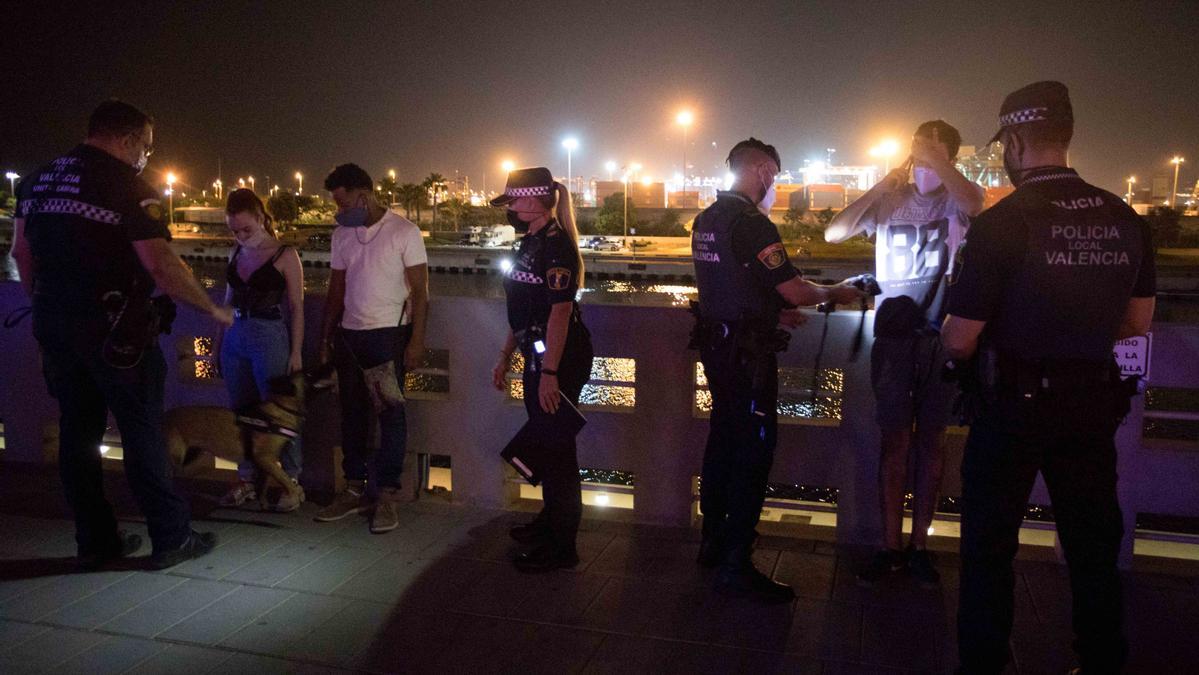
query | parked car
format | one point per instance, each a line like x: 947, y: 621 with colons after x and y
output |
x: 607, y: 245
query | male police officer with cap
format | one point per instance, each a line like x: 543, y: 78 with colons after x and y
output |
x: 90, y: 245
x: 1048, y: 280
x: 745, y: 280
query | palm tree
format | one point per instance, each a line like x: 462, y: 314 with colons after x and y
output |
x: 411, y: 196
x: 435, y: 184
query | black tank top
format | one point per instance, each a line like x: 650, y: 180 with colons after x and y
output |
x: 263, y: 291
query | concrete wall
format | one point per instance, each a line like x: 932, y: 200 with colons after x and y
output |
x: 660, y: 439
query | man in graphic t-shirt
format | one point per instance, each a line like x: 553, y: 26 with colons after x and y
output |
x: 919, y: 225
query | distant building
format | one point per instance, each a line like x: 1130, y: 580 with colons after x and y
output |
x: 651, y: 196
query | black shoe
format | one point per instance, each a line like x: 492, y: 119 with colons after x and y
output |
x: 920, y: 566
x: 711, y: 552
x: 747, y: 581
x: 125, y: 545
x: 884, y: 564
x: 545, y: 559
x: 530, y: 533
x: 197, y: 544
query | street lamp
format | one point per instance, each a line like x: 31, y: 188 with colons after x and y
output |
x: 300, y: 178
x: 1176, y: 161
x: 216, y: 186
x: 886, y: 149
x: 12, y: 182
x: 171, y: 197
x: 251, y: 179
x: 684, y: 118
x: 391, y: 173
x: 610, y: 166
x: 507, y: 165
x: 1131, y: 180
x: 571, y: 144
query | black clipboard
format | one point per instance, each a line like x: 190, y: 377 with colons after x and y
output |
x: 538, y: 443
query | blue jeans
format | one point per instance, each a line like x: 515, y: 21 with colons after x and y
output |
x: 370, y: 348
x: 87, y: 388
x: 253, y: 352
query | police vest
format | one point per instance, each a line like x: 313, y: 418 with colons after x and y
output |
x: 727, y: 290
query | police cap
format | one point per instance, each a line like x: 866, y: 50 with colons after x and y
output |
x: 1040, y: 101
x: 533, y: 182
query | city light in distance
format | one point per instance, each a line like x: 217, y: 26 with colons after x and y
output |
x: 684, y: 118
x: 508, y: 165
x: 571, y: 143
x: 646, y: 180
x: 171, y: 178
x: 610, y: 166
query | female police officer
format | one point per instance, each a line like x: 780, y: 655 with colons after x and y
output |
x: 545, y: 323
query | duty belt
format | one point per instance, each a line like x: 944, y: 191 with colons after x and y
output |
x: 273, y: 313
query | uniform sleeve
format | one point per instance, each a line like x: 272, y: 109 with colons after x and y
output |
x: 336, y: 261
x: 981, y: 270
x: 412, y: 246
x: 1146, y: 285
x: 143, y: 215
x: 561, y: 267
x: 757, y: 245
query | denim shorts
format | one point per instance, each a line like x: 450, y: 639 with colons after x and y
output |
x: 908, y: 387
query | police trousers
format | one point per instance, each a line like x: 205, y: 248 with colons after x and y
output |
x: 742, y: 433
x: 1069, y: 438
x: 87, y: 388
x: 561, y: 489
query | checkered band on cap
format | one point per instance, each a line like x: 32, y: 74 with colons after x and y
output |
x: 535, y: 191
x: 1021, y: 116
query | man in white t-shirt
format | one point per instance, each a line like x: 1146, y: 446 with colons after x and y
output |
x: 918, y: 226
x: 376, y: 312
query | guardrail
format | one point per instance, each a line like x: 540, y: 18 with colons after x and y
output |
x: 650, y: 420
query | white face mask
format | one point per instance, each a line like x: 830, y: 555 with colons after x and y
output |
x: 926, y: 180
x: 767, y: 200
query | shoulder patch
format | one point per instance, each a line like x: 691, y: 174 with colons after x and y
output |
x: 773, y: 256
x: 152, y: 208
x: 558, y: 278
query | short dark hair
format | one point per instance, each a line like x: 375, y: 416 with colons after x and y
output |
x: 350, y: 177
x: 946, y: 133
x: 116, y: 119
x: 1045, y: 132
x: 737, y: 154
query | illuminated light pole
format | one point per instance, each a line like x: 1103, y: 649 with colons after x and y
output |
x: 251, y: 181
x: 684, y: 118
x: 300, y: 178
x: 571, y: 144
x: 625, y: 178
x: 391, y: 173
x: 1177, y: 162
x: 241, y: 182
x: 886, y: 149
x: 12, y: 182
x: 1131, y: 180
x: 170, y: 197
x: 610, y: 166
x: 216, y: 186
x: 507, y: 165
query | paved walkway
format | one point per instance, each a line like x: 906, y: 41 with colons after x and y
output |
x: 285, y: 594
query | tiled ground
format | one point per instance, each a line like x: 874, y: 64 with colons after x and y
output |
x: 285, y: 594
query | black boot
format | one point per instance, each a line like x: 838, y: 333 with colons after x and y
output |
x: 711, y: 551
x: 123, y: 546
x: 739, y: 577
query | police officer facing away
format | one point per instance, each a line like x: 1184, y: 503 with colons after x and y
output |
x: 1048, y: 279
x: 747, y: 288
x: 91, y: 246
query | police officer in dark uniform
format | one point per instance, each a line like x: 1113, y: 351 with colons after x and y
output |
x: 546, y: 325
x: 91, y: 246
x: 746, y: 283
x: 1048, y: 280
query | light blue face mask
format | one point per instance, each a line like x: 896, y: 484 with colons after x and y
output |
x: 352, y: 217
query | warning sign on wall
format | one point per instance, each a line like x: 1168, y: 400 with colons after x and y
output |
x: 1133, y: 355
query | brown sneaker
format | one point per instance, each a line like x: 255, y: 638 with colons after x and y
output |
x: 347, y: 502
x: 386, y: 517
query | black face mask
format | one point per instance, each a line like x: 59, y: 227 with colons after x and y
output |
x: 1013, y: 172
x: 521, y: 226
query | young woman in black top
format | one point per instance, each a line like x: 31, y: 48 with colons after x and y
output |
x: 260, y: 345
x: 545, y: 323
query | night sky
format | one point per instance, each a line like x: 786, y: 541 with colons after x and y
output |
x: 275, y: 87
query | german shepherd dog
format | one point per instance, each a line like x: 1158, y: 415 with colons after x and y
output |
x: 258, y: 433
